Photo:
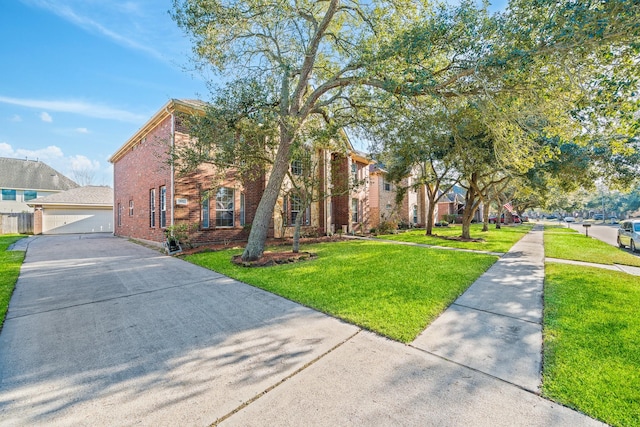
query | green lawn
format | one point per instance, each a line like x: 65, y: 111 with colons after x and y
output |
x: 567, y: 243
x: 494, y: 240
x: 10, y: 262
x: 394, y: 290
x: 592, y: 342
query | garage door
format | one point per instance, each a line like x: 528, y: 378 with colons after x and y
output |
x: 62, y: 221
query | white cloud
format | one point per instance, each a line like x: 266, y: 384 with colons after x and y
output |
x: 15, y: 118
x: 140, y: 25
x: 67, y: 165
x: 49, y: 153
x: 82, y: 130
x: 77, y: 107
x: 46, y: 117
x: 82, y: 163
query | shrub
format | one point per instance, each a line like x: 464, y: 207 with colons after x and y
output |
x: 387, y: 227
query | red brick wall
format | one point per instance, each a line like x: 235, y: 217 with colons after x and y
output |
x: 144, y: 167
x: 37, y: 220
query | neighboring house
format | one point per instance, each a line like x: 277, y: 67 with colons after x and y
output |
x: 411, y: 210
x: 453, y: 203
x: 86, y: 209
x: 23, y: 180
x: 219, y: 206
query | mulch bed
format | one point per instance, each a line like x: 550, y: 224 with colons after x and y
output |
x: 274, y: 258
x: 457, y: 238
x: 268, y: 258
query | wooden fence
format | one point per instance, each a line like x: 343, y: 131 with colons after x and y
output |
x: 16, y: 223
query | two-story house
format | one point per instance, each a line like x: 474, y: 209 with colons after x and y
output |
x: 22, y: 180
x: 219, y: 206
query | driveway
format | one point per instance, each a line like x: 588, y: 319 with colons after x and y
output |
x: 101, y: 331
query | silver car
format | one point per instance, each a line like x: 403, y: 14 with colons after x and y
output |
x: 629, y: 234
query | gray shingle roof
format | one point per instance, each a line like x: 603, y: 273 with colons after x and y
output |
x: 32, y: 175
x: 89, y: 195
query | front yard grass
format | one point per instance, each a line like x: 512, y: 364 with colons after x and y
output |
x: 494, y: 240
x: 10, y: 262
x: 592, y: 342
x: 394, y: 290
x: 567, y: 243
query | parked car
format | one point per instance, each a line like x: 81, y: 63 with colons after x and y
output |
x: 516, y: 219
x: 629, y: 234
x: 569, y: 219
x: 598, y: 217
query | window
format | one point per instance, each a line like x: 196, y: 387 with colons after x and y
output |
x: 205, y: 211
x: 354, y: 171
x: 354, y: 210
x: 163, y: 207
x: 130, y: 207
x: 119, y: 215
x: 224, y: 207
x: 152, y: 208
x: 242, y: 221
x: 415, y: 214
x: 296, y: 167
x: 386, y: 184
x: 30, y: 195
x: 8, y: 194
x: 296, y: 208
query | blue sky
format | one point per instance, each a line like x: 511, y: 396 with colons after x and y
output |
x: 79, y: 77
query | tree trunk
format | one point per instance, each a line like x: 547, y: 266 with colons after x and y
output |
x: 430, y: 218
x: 264, y: 213
x: 485, y: 216
x: 296, y: 232
x: 472, y: 201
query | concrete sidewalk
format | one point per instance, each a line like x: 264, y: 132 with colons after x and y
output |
x: 495, y: 327
x: 634, y: 271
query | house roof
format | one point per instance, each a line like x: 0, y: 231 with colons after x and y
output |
x: 27, y: 174
x: 188, y: 106
x: 90, y: 195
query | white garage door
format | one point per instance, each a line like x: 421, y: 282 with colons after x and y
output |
x: 62, y: 221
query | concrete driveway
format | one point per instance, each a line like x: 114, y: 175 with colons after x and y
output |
x: 101, y: 331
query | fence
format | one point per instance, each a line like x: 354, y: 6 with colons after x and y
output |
x: 14, y: 223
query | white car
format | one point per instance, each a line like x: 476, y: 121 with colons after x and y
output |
x: 629, y: 234
x: 569, y: 219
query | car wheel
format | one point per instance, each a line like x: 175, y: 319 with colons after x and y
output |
x: 633, y: 246
x: 620, y: 245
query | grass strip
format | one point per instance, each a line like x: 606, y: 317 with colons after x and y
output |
x: 394, y: 290
x: 592, y: 342
x: 10, y: 262
x: 567, y: 243
x: 494, y: 240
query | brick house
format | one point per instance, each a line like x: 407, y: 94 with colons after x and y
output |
x: 149, y: 196
x: 384, y: 206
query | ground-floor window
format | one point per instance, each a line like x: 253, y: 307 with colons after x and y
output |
x: 354, y: 210
x: 205, y: 211
x: 224, y: 207
x: 242, y: 220
x: 415, y: 214
x: 119, y: 213
x: 163, y: 207
x: 152, y: 208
